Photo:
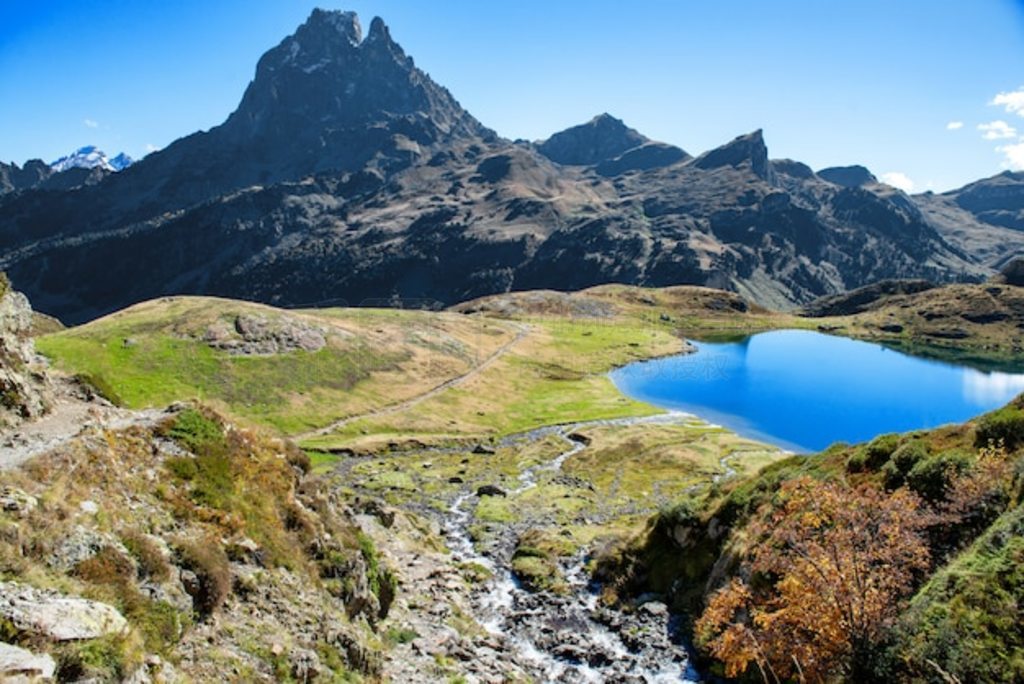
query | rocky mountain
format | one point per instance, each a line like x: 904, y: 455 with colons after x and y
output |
x: 91, y: 157
x: 347, y: 173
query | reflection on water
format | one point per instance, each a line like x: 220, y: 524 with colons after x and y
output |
x: 991, y: 388
x: 804, y: 390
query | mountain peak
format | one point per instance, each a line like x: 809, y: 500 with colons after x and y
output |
x: 853, y: 176
x: 749, y: 148
x: 91, y: 157
x: 333, y: 22
x: 602, y: 138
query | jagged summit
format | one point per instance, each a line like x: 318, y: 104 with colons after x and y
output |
x: 91, y: 157
x: 745, y: 149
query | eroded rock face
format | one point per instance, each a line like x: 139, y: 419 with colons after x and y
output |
x: 23, y: 392
x: 56, y: 617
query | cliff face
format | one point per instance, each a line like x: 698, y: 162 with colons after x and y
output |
x: 23, y: 389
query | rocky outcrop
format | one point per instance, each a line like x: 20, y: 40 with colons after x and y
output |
x: 864, y: 298
x: 848, y: 176
x: 23, y: 391
x: 1013, y: 273
x: 258, y: 335
x: 55, y: 617
x: 21, y: 665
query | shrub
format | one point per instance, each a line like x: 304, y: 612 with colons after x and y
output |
x: 1005, y: 425
x: 182, y: 467
x: 5, y: 284
x: 878, y: 450
x: 931, y: 477
x: 208, y: 561
x: 298, y: 458
x: 152, y: 564
x: 108, y: 566
x: 902, y: 461
x: 195, y: 431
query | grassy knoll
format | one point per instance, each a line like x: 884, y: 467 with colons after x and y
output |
x: 156, y: 353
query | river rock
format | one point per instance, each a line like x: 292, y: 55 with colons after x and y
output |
x: 56, y: 617
x: 18, y: 664
x: 490, y: 490
x: 483, y: 449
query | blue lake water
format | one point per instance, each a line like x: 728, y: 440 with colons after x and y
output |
x: 804, y: 390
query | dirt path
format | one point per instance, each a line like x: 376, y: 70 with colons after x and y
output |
x: 409, y: 403
x: 69, y: 416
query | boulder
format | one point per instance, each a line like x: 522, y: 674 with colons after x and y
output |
x: 56, y: 617
x: 18, y: 664
x: 490, y: 490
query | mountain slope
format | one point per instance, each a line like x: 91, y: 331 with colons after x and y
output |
x: 347, y: 173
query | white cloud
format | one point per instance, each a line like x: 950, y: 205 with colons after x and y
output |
x: 1012, y: 101
x: 89, y: 123
x: 899, y: 180
x: 150, y: 147
x: 1014, y: 155
x: 954, y: 125
x: 997, y: 130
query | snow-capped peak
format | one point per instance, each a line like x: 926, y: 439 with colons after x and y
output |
x: 90, y: 157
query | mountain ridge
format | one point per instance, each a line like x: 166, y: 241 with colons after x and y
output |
x: 346, y: 172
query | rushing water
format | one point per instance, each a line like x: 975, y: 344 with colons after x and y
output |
x: 505, y: 608
x: 804, y: 390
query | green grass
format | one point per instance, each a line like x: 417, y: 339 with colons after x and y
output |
x: 294, y: 391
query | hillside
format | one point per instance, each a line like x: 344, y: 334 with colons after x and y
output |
x: 347, y: 173
x: 897, y: 560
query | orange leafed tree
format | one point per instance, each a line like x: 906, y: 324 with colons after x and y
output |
x: 828, y: 568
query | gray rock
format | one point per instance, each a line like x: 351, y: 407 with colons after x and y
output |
x: 305, y: 664
x: 18, y: 664
x: 13, y: 500
x: 56, y: 617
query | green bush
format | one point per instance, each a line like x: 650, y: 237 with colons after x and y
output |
x: 857, y: 462
x: 902, y: 462
x: 5, y: 284
x: 878, y: 451
x: 195, y: 431
x: 931, y: 477
x: 1005, y: 425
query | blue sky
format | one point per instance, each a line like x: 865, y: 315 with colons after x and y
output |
x: 872, y: 82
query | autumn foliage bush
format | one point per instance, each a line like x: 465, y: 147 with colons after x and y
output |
x: 829, y: 568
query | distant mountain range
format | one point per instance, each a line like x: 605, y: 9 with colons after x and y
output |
x: 90, y: 157
x: 347, y: 173
x: 85, y: 166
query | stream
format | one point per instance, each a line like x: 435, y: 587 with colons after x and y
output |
x: 571, y: 637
